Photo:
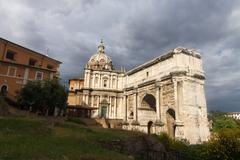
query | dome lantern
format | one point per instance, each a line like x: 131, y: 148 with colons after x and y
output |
x: 101, y: 47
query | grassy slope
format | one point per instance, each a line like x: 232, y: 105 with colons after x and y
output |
x: 25, y: 138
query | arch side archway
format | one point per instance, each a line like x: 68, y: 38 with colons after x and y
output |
x: 170, y: 116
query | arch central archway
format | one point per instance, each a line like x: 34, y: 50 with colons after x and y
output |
x: 149, y: 101
x: 170, y: 122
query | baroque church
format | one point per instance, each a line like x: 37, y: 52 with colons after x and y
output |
x: 165, y: 94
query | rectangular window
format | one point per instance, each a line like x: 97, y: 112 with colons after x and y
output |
x: 32, y: 62
x: 12, y: 71
x: 49, y: 66
x: 10, y: 55
x: 39, y: 76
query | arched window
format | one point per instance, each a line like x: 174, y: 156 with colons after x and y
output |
x: 104, y: 83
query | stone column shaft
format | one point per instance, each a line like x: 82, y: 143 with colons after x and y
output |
x: 87, y: 100
x: 100, y: 81
x: 92, y: 98
x: 125, y: 108
x: 161, y: 102
x: 110, y: 107
x: 111, y: 84
x: 157, y: 103
x: 115, y: 105
x: 135, y: 106
x: 176, y: 99
x: 93, y: 82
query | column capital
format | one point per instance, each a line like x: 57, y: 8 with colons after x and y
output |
x: 177, y: 79
x: 158, y: 84
x: 135, y: 90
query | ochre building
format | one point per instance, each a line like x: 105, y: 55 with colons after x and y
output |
x: 18, y: 65
x: 165, y: 94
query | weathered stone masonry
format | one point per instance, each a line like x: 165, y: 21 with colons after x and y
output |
x: 165, y: 94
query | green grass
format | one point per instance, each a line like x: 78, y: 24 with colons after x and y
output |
x: 36, y: 139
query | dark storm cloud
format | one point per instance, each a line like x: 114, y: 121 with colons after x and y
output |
x: 134, y: 32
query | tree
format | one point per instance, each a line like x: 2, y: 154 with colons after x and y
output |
x: 43, y: 96
x: 221, y: 121
x: 225, y: 145
x: 225, y: 141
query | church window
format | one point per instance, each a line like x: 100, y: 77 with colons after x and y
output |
x: 131, y: 114
x: 102, y: 61
x: 104, y: 83
x: 147, y: 74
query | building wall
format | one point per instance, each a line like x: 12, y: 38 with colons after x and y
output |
x: 75, y: 95
x: 165, y: 94
x: 14, y: 73
x: 235, y: 115
x: 177, y: 84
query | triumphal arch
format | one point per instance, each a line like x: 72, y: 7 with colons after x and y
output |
x: 165, y: 94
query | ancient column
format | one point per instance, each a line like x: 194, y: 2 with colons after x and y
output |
x: 178, y: 124
x: 83, y: 98
x: 86, y: 78
x: 176, y: 99
x: 110, y: 107
x: 92, y: 99
x: 111, y: 84
x: 158, y: 122
x: 157, y: 102
x: 135, y: 105
x: 115, y: 105
x: 100, y: 80
x: 93, y: 82
x: 87, y: 100
x: 98, y: 101
x: 125, y: 108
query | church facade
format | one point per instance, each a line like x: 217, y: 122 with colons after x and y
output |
x: 165, y: 94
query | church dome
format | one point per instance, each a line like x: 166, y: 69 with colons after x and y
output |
x: 100, y: 60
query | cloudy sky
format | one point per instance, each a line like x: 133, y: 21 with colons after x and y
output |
x: 134, y: 31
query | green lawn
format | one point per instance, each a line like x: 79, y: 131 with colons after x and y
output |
x: 37, y: 139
